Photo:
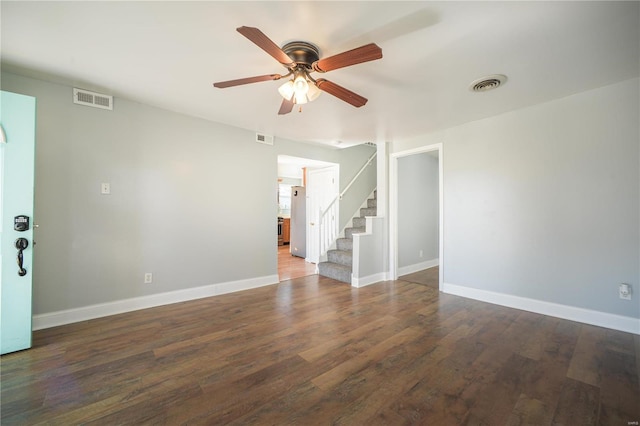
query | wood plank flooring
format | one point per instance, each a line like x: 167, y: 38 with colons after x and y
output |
x: 429, y: 277
x: 313, y: 351
x: 290, y: 267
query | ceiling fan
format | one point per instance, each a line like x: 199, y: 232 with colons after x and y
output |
x: 301, y: 59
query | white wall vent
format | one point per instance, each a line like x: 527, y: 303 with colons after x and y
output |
x: 265, y: 139
x: 92, y: 99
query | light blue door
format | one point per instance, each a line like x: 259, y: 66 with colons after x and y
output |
x: 17, y: 117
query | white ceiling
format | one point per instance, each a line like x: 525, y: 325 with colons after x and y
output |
x: 168, y: 54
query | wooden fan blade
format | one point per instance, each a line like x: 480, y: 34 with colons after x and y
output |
x: 265, y: 43
x: 366, y: 53
x: 241, y: 81
x: 286, y: 107
x: 341, y: 93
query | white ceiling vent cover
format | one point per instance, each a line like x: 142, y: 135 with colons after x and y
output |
x: 487, y: 83
x: 265, y: 139
x: 92, y: 99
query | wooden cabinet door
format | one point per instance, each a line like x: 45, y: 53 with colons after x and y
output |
x: 286, y: 226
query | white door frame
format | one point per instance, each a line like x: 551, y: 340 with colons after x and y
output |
x: 393, y: 209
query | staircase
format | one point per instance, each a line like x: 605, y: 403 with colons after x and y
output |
x: 340, y: 261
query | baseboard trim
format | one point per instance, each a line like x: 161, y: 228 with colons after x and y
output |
x: 69, y: 316
x: 368, y: 280
x: 587, y: 316
x: 418, y: 267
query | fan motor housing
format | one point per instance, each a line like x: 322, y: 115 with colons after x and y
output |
x: 302, y: 52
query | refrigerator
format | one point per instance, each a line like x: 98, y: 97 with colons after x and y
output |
x: 298, y: 232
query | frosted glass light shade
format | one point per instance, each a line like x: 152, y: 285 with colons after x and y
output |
x: 313, y: 92
x: 286, y: 90
x: 300, y: 85
x: 300, y: 99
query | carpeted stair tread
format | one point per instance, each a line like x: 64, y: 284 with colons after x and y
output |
x: 341, y: 257
x: 368, y: 211
x: 348, y: 232
x: 335, y: 271
x: 359, y: 222
x: 344, y: 243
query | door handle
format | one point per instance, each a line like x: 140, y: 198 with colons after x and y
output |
x: 21, y: 244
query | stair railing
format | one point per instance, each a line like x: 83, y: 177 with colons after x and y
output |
x: 328, y: 229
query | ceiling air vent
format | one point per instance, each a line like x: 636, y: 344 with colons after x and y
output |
x: 488, y: 83
x: 265, y: 139
x: 92, y: 99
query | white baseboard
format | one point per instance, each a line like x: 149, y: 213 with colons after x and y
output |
x: 368, y: 280
x: 418, y: 267
x: 587, y: 316
x: 85, y: 313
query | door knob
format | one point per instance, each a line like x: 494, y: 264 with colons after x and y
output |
x: 21, y: 244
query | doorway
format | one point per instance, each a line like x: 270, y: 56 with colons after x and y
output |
x: 295, y: 172
x: 416, y: 215
x: 290, y: 267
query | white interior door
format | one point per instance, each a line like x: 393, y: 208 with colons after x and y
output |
x: 322, y: 187
x: 17, y: 117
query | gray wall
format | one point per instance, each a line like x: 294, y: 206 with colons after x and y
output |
x: 544, y: 202
x: 417, y: 209
x: 192, y: 201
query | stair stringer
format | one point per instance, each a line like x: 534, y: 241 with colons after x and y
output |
x: 368, y: 254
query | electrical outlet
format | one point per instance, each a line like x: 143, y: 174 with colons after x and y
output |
x: 148, y: 278
x: 624, y: 290
x: 420, y: 253
x: 105, y: 188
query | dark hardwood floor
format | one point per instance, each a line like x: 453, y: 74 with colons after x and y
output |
x: 429, y: 277
x: 315, y: 351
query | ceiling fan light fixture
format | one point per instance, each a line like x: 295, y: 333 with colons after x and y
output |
x: 299, y: 89
x: 311, y: 95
